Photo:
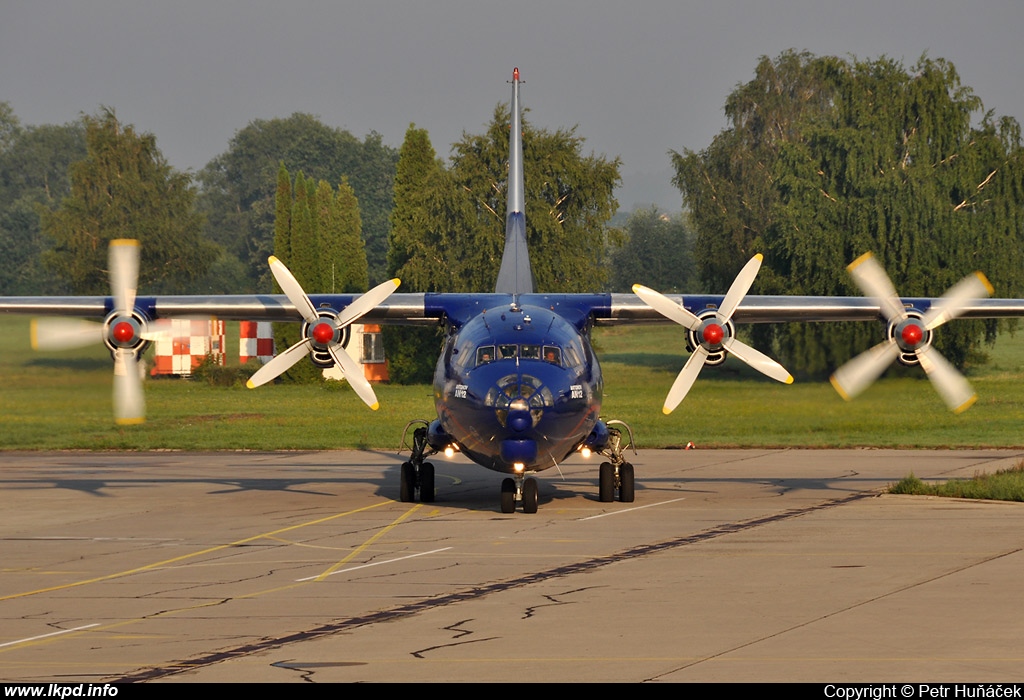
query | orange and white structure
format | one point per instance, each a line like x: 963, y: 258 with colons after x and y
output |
x: 255, y: 340
x: 185, y: 344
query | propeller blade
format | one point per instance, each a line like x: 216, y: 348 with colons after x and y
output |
x: 875, y: 283
x: 280, y: 364
x: 951, y: 385
x: 129, y: 402
x: 758, y: 360
x: 123, y: 259
x: 857, y: 374
x: 293, y: 290
x: 952, y: 303
x: 354, y: 375
x: 685, y: 379
x: 64, y: 333
x: 367, y: 302
x: 666, y: 307
x: 739, y: 288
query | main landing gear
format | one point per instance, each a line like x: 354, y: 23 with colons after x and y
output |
x: 417, y: 474
x: 519, y: 488
x: 616, y: 474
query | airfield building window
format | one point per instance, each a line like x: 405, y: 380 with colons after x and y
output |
x: 373, y: 348
x: 530, y: 352
x: 484, y: 354
x: 552, y: 354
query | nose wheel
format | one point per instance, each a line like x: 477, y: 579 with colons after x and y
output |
x: 522, y: 489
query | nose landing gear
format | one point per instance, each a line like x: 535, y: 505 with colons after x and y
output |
x: 520, y: 488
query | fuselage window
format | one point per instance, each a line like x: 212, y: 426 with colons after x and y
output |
x: 484, y: 354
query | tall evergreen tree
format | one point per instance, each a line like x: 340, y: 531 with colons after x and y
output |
x: 350, y: 260
x: 304, y: 260
x: 282, y: 217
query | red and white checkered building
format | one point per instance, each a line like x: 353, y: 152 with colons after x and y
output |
x: 255, y: 340
x: 187, y: 344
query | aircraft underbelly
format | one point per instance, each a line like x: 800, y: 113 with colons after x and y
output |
x: 554, y: 437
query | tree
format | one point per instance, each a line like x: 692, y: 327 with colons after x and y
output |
x: 658, y: 252
x: 448, y: 224
x: 34, y: 163
x: 124, y: 188
x: 828, y: 158
x: 239, y: 185
x: 414, y: 250
x: 569, y: 198
x: 345, y: 253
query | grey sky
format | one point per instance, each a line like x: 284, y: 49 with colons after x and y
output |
x: 638, y: 78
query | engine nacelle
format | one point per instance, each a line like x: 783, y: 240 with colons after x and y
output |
x: 322, y: 332
x: 124, y: 332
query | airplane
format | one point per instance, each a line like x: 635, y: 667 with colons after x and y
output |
x: 518, y: 386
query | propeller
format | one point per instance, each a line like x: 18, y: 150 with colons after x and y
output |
x: 910, y: 334
x: 323, y: 332
x: 123, y: 331
x: 713, y: 334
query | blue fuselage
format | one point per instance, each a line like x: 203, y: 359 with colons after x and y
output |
x: 518, y: 388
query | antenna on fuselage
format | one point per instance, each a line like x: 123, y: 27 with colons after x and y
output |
x: 515, y: 276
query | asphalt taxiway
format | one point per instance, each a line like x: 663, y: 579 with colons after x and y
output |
x: 731, y: 565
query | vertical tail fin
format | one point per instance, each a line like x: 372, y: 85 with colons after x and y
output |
x: 515, y: 275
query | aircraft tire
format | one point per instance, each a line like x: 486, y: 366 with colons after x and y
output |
x: 626, y: 492
x: 606, y: 483
x: 530, y: 496
x: 407, y: 484
x: 508, y: 496
x: 427, y: 482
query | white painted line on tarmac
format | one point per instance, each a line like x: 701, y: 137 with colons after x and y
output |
x: 375, y: 563
x: 51, y: 634
x: 630, y: 510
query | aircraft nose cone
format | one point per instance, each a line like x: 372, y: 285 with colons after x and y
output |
x: 519, y: 418
x: 519, y: 421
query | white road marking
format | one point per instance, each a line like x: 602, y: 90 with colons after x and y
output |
x: 51, y: 634
x: 375, y: 563
x: 628, y: 510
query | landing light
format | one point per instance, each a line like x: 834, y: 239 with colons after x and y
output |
x: 519, y: 467
x: 450, y: 451
x: 585, y: 452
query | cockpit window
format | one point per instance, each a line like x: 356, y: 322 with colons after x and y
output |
x: 574, y: 354
x: 530, y: 352
x: 484, y: 354
x: 552, y: 354
x: 506, y: 352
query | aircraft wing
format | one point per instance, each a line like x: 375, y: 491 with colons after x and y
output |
x: 431, y: 308
x: 629, y: 308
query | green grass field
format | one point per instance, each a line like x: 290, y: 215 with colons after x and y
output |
x: 63, y: 401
